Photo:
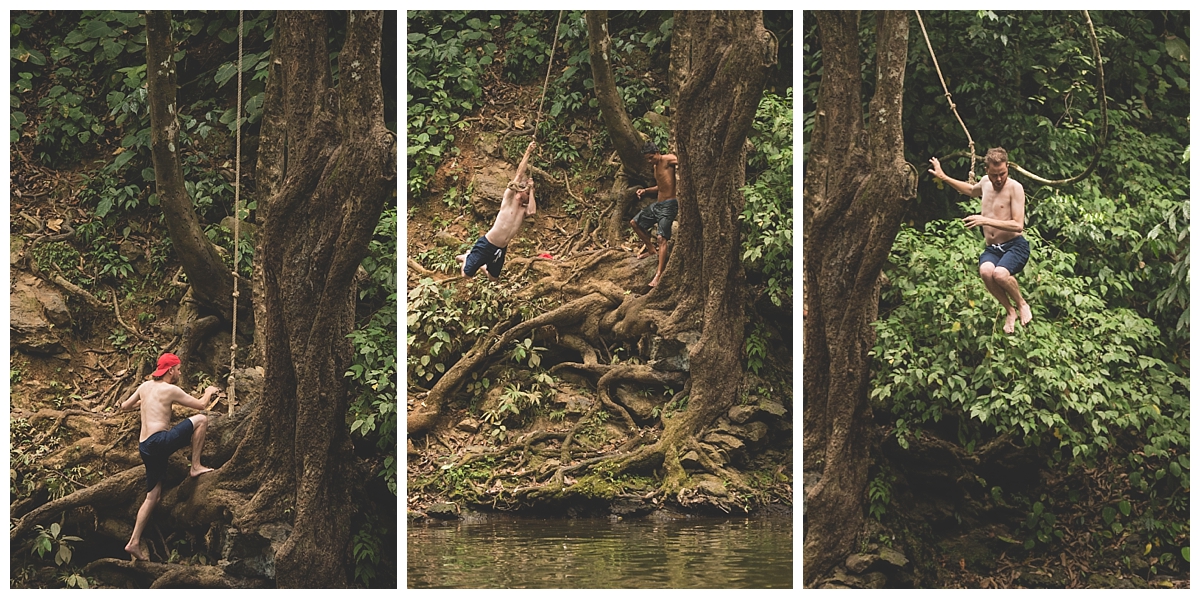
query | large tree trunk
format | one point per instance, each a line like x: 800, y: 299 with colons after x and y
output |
x: 620, y: 128
x: 722, y: 59
x: 329, y: 178
x: 854, y: 197
x: 211, y: 278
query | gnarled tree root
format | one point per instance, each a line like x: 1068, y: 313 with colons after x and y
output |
x: 117, y: 488
x: 164, y: 576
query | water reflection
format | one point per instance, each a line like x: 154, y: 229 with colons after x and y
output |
x: 526, y: 553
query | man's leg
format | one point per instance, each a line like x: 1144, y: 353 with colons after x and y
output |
x: 1008, y: 285
x: 662, y: 260
x: 645, y: 237
x: 134, y: 547
x: 988, y: 272
x: 199, y: 427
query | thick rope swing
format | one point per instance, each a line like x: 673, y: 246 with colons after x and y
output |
x: 237, y: 219
x: 546, y: 83
x: 971, y: 142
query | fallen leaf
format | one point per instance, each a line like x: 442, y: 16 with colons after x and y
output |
x: 54, y: 224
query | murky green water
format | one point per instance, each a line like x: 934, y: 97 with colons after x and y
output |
x: 526, y: 553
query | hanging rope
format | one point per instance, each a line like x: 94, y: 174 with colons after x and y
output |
x: 950, y: 99
x: 546, y: 83
x: 1103, y: 113
x: 237, y: 219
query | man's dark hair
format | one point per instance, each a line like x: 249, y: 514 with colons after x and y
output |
x: 649, y: 148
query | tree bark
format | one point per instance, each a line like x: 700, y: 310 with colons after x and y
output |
x: 329, y: 179
x: 855, y: 189
x: 627, y: 141
x: 211, y: 278
x: 724, y: 56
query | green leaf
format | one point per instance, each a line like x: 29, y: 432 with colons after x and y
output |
x: 1124, y: 507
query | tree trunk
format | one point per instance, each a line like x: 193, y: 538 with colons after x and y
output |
x: 854, y: 197
x: 329, y: 180
x: 723, y: 57
x: 211, y: 278
x: 625, y: 138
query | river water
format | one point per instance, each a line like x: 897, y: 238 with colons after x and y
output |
x: 732, y: 553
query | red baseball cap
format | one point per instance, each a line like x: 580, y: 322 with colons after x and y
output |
x: 165, y: 362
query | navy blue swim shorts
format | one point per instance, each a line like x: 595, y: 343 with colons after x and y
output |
x: 1012, y: 254
x: 157, y: 448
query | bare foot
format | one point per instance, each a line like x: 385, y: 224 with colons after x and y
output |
x: 198, y: 470
x: 654, y: 283
x: 461, y: 258
x: 647, y: 251
x: 1026, y: 314
x: 136, y: 551
x: 1010, y: 322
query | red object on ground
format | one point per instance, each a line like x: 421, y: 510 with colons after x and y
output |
x: 545, y: 255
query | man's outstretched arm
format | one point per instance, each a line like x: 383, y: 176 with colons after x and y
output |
x: 520, y: 176
x: 960, y: 186
x: 531, y: 208
x: 182, y: 398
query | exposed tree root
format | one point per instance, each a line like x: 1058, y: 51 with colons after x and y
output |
x: 119, y: 487
x: 162, y: 576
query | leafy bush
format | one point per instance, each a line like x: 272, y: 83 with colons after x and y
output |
x: 1081, y: 381
x: 767, y: 218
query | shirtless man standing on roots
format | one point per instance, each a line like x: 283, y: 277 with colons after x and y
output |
x: 518, y: 202
x: 661, y: 214
x: 158, y: 440
x: 1002, y: 217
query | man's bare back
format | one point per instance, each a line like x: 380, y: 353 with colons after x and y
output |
x: 156, y: 399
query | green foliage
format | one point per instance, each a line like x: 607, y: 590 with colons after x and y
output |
x: 373, y: 411
x: 1082, y: 381
x: 1041, y: 525
x: 767, y: 219
x: 367, y: 550
x: 445, y: 64
x: 879, y: 491
x: 757, y: 346
x: 53, y: 540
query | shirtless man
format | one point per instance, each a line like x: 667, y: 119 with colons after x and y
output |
x: 661, y: 213
x: 1003, y: 220
x: 518, y: 202
x: 158, y: 441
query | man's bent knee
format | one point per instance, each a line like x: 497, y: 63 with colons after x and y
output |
x: 1001, y: 273
x: 198, y: 420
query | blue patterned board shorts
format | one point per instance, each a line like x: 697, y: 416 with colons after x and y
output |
x: 1012, y: 254
x: 484, y: 254
x: 157, y: 448
x: 661, y: 213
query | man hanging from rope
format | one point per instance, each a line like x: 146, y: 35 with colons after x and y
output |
x: 518, y: 202
x: 661, y: 214
x: 1002, y: 218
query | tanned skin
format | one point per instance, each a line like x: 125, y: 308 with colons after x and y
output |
x: 1002, y: 218
x: 156, y: 398
x: 664, y: 174
x: 517, y: 204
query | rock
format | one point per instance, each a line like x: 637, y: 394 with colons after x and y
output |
x: 488, y: 143
x: 628, y: 507
x: 446, y: 239
x: 640, y: 406
x: 252, y: 554
x: 412, y: 449
x: 657, y: 120
x: 489, y: 184
x: 726, y: 441
x: 468, y: 425
x: 874, y: 580
x: 859, y: 562
x: 773, y: 407
x: 710, y: 485
x: 443, y: 511
x: 672, y: 355
x: 244, y: 228
x: 691, y: 462
x: 893, y: 557
x: 35, y: 309
x: 742, y: 414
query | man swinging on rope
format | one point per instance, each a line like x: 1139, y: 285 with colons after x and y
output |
x: 1003, y: 220
x: 518, y: 202
x: 660, y: 214
x: 158, y: 441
